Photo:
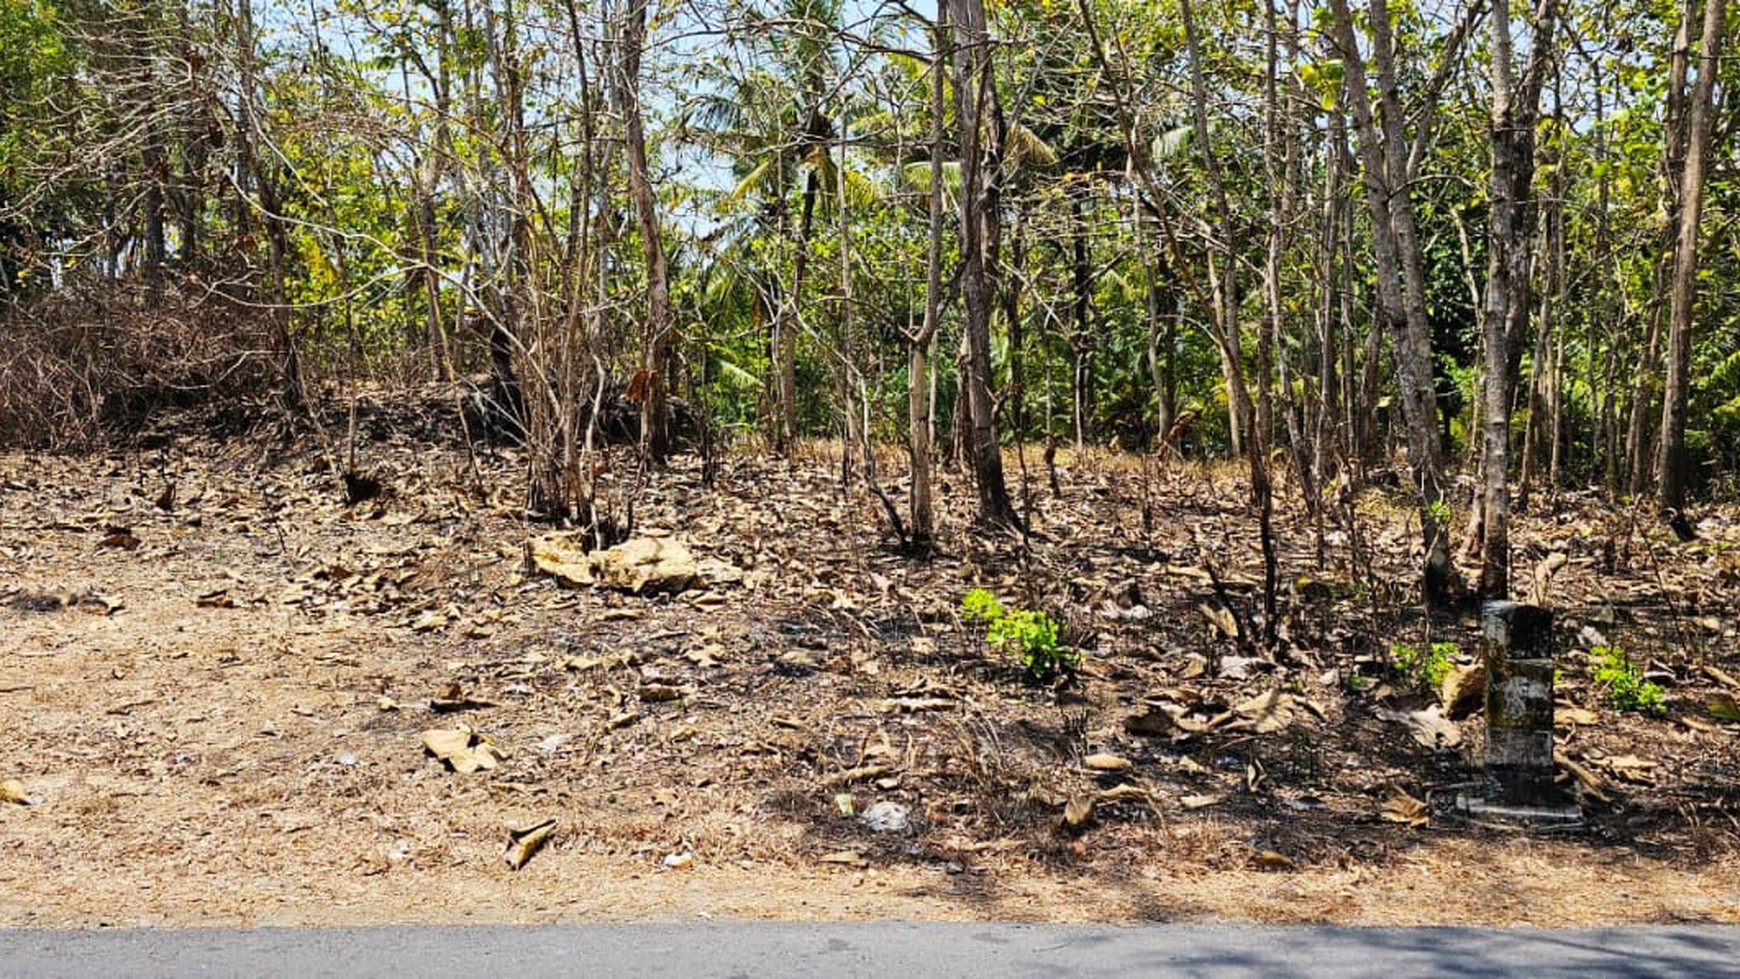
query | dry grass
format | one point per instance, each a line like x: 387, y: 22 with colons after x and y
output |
x: 94, y: 361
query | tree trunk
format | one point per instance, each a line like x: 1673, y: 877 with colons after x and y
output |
x: 1081, y: 338
x: 785, y: 327
x: 650, y: 383
x: 920, y: 509
x: 1401, y: 283
x: 1639, y: 453
x: 1510, y: 262
x: 1671, y: 464
x: 973, y: 95
x: 1223, y: 261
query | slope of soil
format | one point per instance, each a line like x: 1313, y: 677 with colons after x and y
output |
x: 215, y: 676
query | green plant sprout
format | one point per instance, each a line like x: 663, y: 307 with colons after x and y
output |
x: 1440, y: 513
x: 1030, y: 634
x: 1423, y: 669
x: 979, y: 605
x: 1621, y: 681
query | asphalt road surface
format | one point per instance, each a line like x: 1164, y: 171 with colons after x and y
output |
x: 891, y: 950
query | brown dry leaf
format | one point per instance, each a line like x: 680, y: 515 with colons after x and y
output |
x: 1723, y: 708
x: 659, y: 693
x: 1272, y: 860
x: 1264, y: 713
x: 1201, y: 801
x: 1107, y: 763
x: 523, y: 843
x: 1462, y: 691
x: 12, y: 791
x: 1629, y: 767
x: 845, y: 858
x: 1401, y: 807
x: 1221, y: 619
x: 1078, y: 810
x: 1127, y: 793
x: 1153, y: 722
x: 1429, y: 727
x: 463, y: 749
x: 1574, y: 716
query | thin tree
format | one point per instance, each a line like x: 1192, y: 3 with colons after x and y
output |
x: 1510, y: 264
x: 921, y: 508
x: 979, y: 149
x: 649, y: 384
x: 1671, y: 463
x: 1389, y: 161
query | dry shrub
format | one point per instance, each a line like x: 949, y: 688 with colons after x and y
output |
x: 97, y: 361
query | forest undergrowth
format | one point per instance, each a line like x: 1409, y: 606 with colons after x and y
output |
x: 240, y: 698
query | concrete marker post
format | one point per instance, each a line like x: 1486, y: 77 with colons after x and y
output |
x: 1517, y: 646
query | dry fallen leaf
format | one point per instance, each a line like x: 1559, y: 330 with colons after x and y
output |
x: 1151, y: 723
x: 1221, y: 619
x: 1264, y: 713
x: 523, y: 843
x: 1272, y: 860
x: 1429, y: 727
x: 463, y: 749
x: 1723, y: 708
x: 1401, y: 807
x: 12, y: 791
x: 1107, y: 763
x: 847, y: 858
x: 1078, y: 811
x: 454, y: 698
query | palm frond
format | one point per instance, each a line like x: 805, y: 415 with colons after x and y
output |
x: 1026, y: 149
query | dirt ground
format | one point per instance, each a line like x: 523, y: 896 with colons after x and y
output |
x: 215, y: 676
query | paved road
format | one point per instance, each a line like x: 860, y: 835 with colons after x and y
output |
x: 890, y: 950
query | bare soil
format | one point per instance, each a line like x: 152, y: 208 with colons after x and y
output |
x: 214, y: 675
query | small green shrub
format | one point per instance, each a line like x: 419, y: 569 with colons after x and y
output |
x: 1423, y: 669
x: 1441, y: 513
x: 1030, y: 634
x: 979, y: 605
x: 1621, y: 682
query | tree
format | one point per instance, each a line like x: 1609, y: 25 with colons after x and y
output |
x: 980, y: 143
x: 1390, y: 161
x: 921, y: 509
x: 1671, y: 464
x: 1510, y: 265
x: 649, y: 386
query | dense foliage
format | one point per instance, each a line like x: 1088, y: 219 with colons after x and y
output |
x: 436, y: 187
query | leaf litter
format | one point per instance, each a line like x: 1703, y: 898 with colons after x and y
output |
x: 265, y: 652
